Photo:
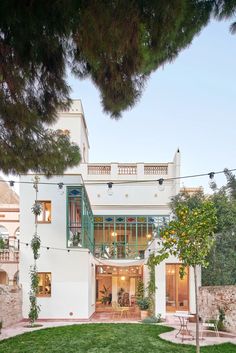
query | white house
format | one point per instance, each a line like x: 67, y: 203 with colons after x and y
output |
x: 97, y: 232
x: 9, y: 234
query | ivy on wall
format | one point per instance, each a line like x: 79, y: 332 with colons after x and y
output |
x: 35, y: 246
x: 151, y: 286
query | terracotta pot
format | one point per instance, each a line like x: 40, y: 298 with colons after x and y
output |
x: 144, y: 314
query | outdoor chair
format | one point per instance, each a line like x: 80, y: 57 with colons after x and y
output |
x: 118, y: 309
x: 209, y: 323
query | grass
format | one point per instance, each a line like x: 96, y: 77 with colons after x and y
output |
x: 101, y: 338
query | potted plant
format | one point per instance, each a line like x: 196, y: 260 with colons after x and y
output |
x: 143, y: 304
x: 106, y: 295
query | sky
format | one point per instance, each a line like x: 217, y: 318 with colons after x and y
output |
x: 188, y: 104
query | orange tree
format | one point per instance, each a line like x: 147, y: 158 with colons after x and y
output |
x: 189, y: 236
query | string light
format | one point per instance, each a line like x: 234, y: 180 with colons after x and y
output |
x: 11, y: 182
x: 110, y: 184
x: 59, y: 249
x: 109, y: 191
x: 161, y: 186
x: 212, y: 182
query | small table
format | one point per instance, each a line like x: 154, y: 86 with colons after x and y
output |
x: 184, y: 331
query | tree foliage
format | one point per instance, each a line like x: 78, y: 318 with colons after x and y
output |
x: 191, y: 234
x: 117, y: 44
x: 189, y: 237
x: 222, y: 257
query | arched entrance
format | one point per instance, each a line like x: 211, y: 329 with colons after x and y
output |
x: 3, y: 277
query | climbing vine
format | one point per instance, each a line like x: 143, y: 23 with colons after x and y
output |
x: 35, y: 246
x: 151, y: 286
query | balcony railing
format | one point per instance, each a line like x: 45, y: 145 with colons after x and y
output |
x: 155, y: 169
x: 120, y: 250
x: 7, y: 256
x: 127, y: 169
x: 99, y: 169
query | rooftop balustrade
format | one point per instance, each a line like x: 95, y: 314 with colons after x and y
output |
x: 129, y: 170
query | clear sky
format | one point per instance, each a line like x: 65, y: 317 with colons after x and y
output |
x: 190, y: 104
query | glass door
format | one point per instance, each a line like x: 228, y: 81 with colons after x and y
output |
x: 177, y: 289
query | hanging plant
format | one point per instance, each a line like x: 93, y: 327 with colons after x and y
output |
x: 35, y: 245
x: 34, y: 307
x: 36, y: 208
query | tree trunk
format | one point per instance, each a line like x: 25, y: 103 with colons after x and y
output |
x: 197, y: 315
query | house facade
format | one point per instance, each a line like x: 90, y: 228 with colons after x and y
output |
x: 9, y: 235
x: 99, y: 223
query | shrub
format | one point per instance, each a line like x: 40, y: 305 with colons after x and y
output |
x: 152, y: 319
x: 144, y: 303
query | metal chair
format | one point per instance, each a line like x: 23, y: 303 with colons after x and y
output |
x: 209, y: 323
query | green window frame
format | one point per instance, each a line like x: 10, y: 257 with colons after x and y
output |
x: 80, y: 224
x: 125, y: 237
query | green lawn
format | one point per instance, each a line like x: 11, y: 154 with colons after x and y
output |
x: 101, y: 338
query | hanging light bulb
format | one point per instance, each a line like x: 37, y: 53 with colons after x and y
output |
x: 212, y: 182
x: 161, y: 185
x: 60, y: 187
x: 110, y: 191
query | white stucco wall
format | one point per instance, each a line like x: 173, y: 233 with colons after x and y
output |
x: 73, y: 274
x: 72, y: 288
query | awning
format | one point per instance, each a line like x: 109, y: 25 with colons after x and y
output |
x: 119, y: 263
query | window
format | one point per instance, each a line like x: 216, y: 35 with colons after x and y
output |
x: 44, y: 287
x: 4, y: 238
x: 45, y: 215
x: 125, y: 236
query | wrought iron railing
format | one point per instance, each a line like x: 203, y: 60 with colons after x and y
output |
x: 119, y: 250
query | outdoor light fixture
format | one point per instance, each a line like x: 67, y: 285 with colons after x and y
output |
x: 11, y: 182
x: 149, y: 236
x: 60, y: 187
x: 212, y: 182
x: 161, y: 186
x: 109, y: 191
x: 113, y: 234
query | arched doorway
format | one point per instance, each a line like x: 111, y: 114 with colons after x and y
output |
x: 3, y: 277
x: 16, y: 278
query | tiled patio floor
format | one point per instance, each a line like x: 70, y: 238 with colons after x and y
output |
x: 107, y: 317
x: 209, y: 337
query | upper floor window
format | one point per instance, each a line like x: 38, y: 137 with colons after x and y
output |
x: 125, y: 236
x: 46, y: 212
x: 4, y: 238
x: 44, y: 286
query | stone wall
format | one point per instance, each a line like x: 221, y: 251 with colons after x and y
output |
x: 10, y: 304
x: 213, y: 298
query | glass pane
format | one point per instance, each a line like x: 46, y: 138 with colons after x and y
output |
x: 171, y: 286
x: 183, y: 291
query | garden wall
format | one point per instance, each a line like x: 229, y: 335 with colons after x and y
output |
x: 213, y: 298
x: 10, y: 304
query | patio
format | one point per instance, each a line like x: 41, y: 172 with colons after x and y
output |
x: 107, y: 318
